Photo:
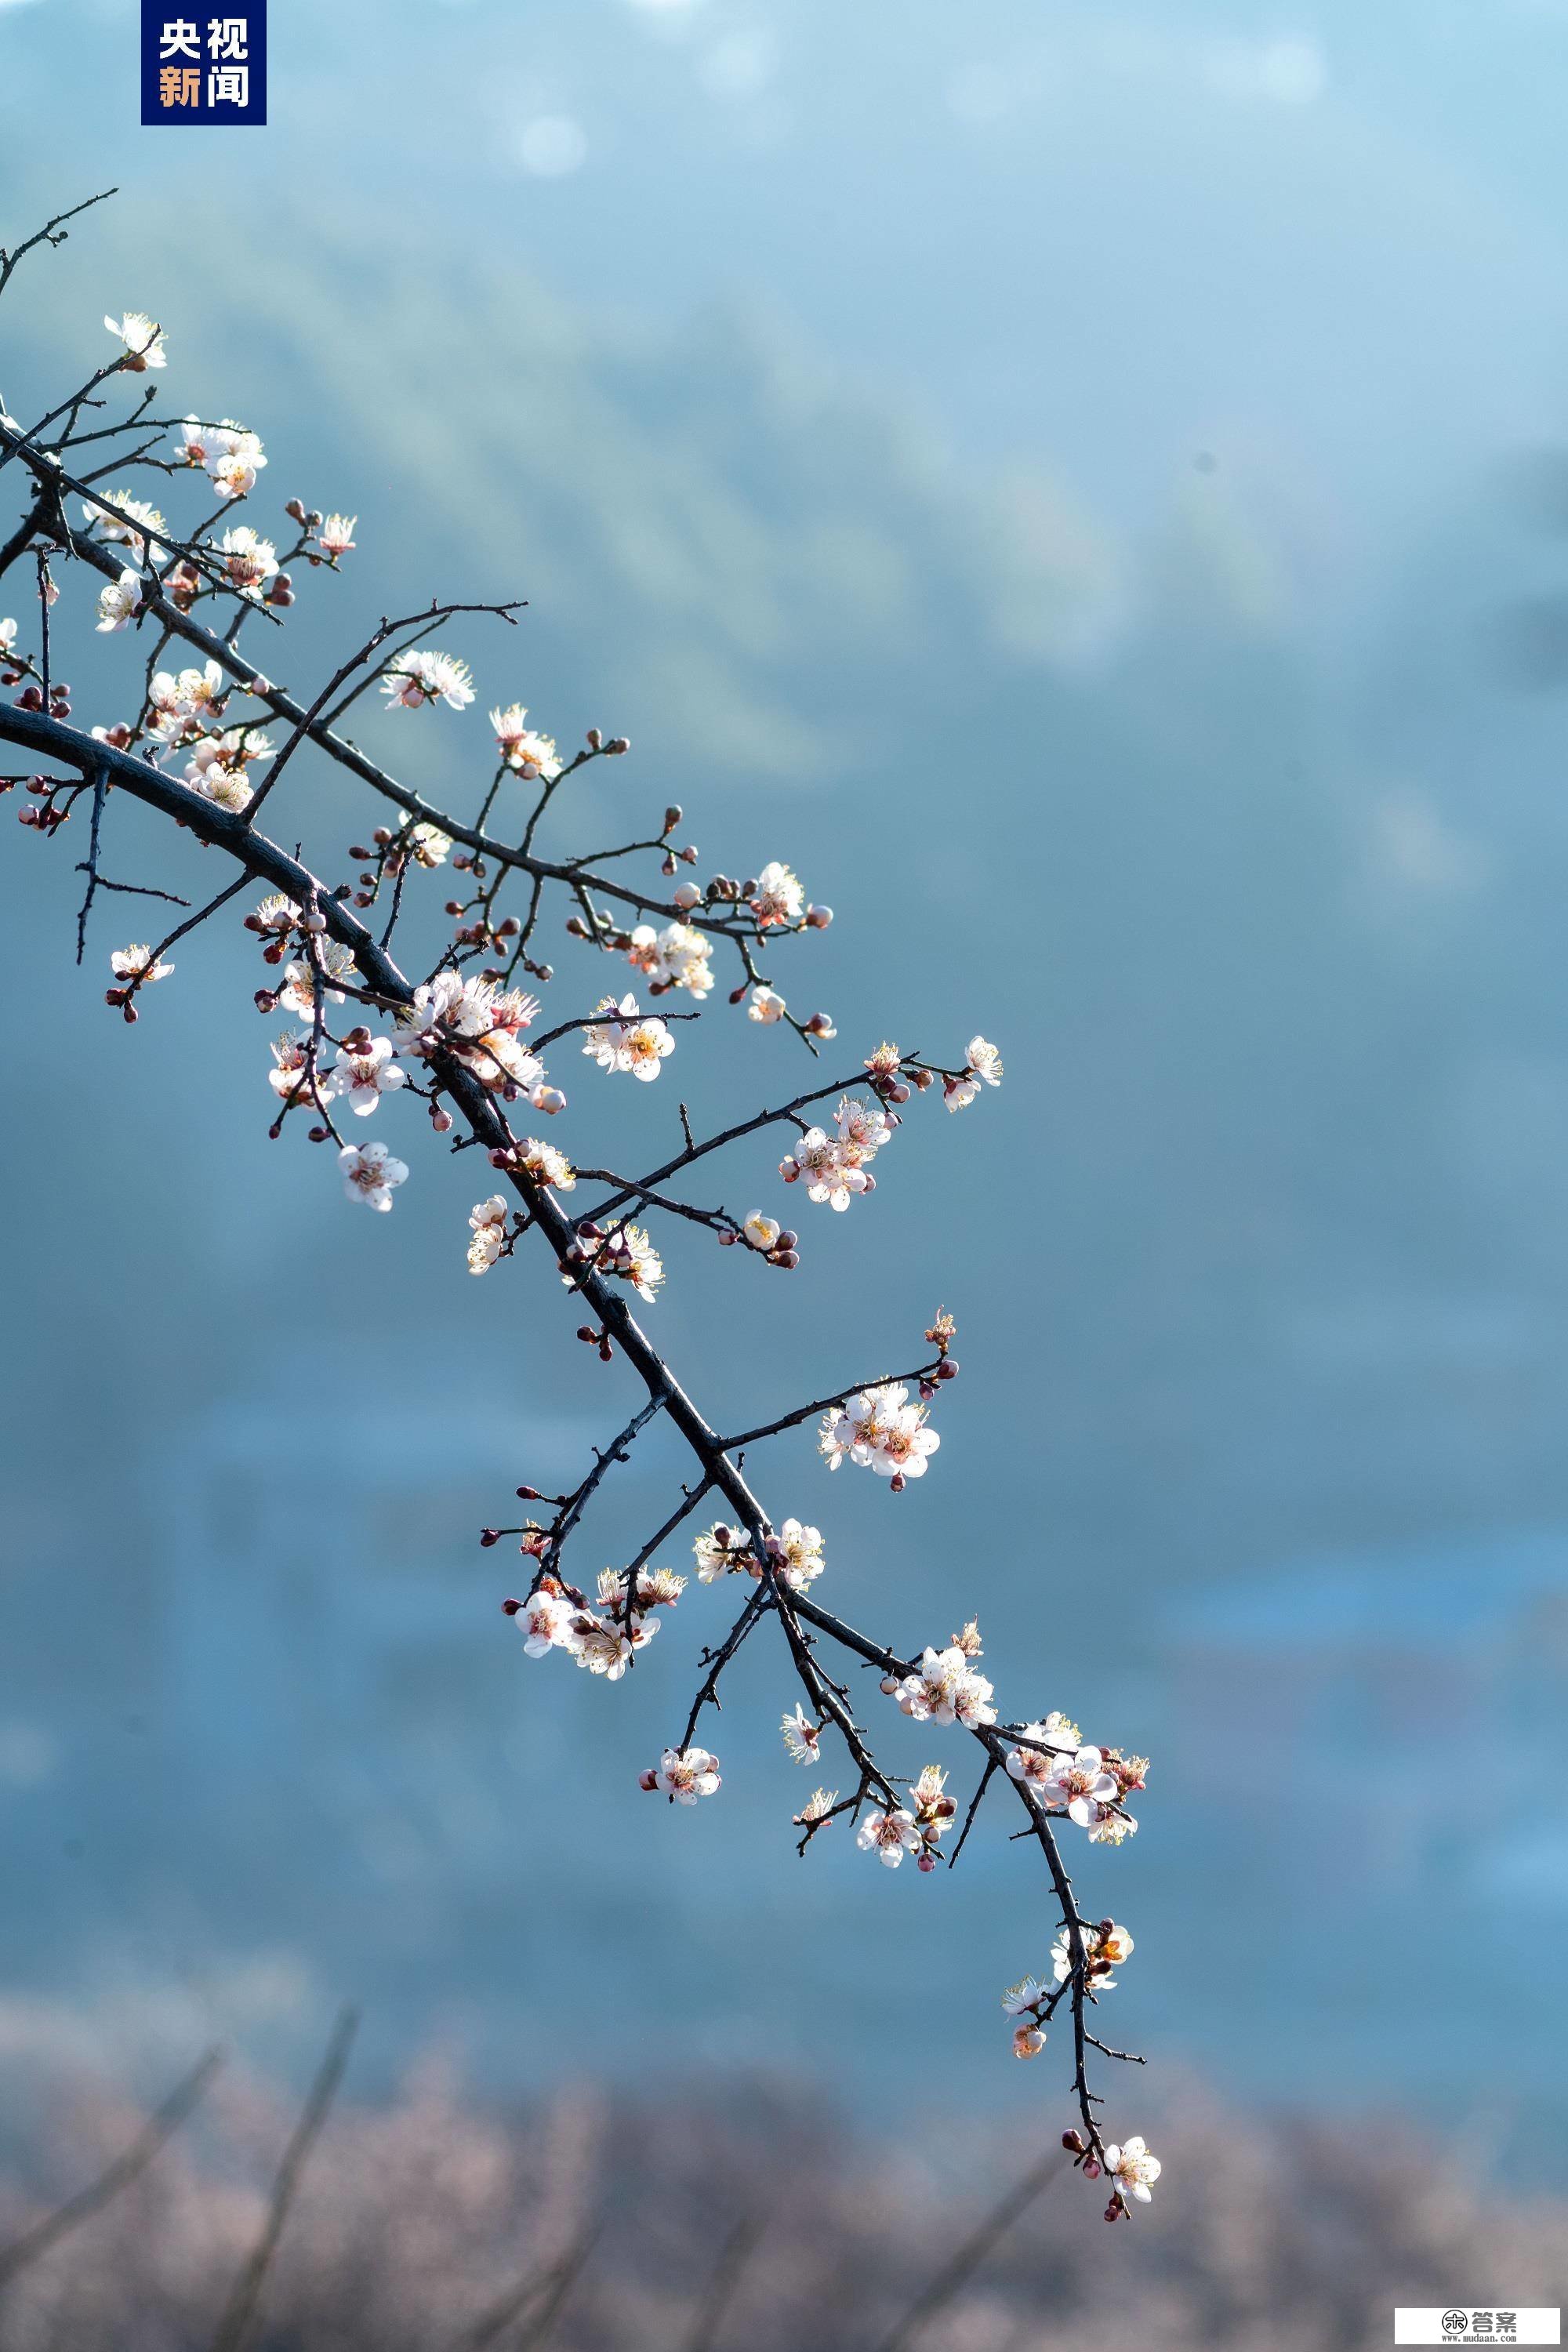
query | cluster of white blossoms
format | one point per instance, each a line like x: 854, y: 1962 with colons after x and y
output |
x: 1105, y: 1946
x: 677, y: 957
x: 217, y: 763
x: 371, y: 1174
x: 833, y: 1168
x: 416, y: 678
x: 1090, y: 1785
x: 983, y: 1067
x: 554, y: 1618
x: 522, y: 747
x: 944, y: 1688
x: 633, y: 1040
x: 488, y: 1224
x: 227, y: 453
x: 881, y: 1430
x: 793, y: 1554
x: 181, y: 701
x: 891, y: 1831
x: 479, y: 1022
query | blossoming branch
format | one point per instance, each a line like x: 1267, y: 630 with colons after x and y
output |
x: 487, y: 1048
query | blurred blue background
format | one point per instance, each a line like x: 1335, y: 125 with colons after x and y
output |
x: 1089, y: 484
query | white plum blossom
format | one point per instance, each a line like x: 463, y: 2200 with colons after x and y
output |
x: 276, y: 913
x: 366, y: 1073
x: 7, y: 637
x: 336, y: 536
x: 118, y: 602
x: 802, y: 1738
x: 289, y: 1076
x: 881, y: 1430
x: 216, y: 770
x: 249, y: 561
x: 677, y: 957
x: 544, y: 1620
x: 658, y: 1588
x: 542, y: 1164
x: 817, y: 1809
x: 232, y: 457
x: 934, y: 1811
x: 136, y: 963
x: 889, y: 1835
x: 635, y: 1041
x: 488, y: 1219
x: 371, y: 1174
x: 863, y: 1128
x: 1133, y: 2170
x: 762, y: 1232
x: 686, y: 1774
x: 118, y: 518
x: 766, y: 1005
x: 630, y: 1254
x: 178, y: 700
x: 719, y: 1552
x: 1105, y: 1946
x: 606, y: 1649
x: 983, y: 1067
x: 416, y: 678
x: 430, y: 846
x: 521, y: 747
x: 945, y: 1688
x: 1034, y: 1766
x: 1109, y: 1826
x: 778, y: 896
x: 796, y: 1555
x: 142, y: 339
x: 297, y: 994
x: 1079, y: 1786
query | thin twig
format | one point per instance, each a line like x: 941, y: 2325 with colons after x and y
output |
x: 246, y: 2296
x: 157, y: 2129
x: 733, y: 2256
x: 962, y: 2265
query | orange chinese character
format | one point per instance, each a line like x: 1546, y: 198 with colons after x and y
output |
x: 179, y: 86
